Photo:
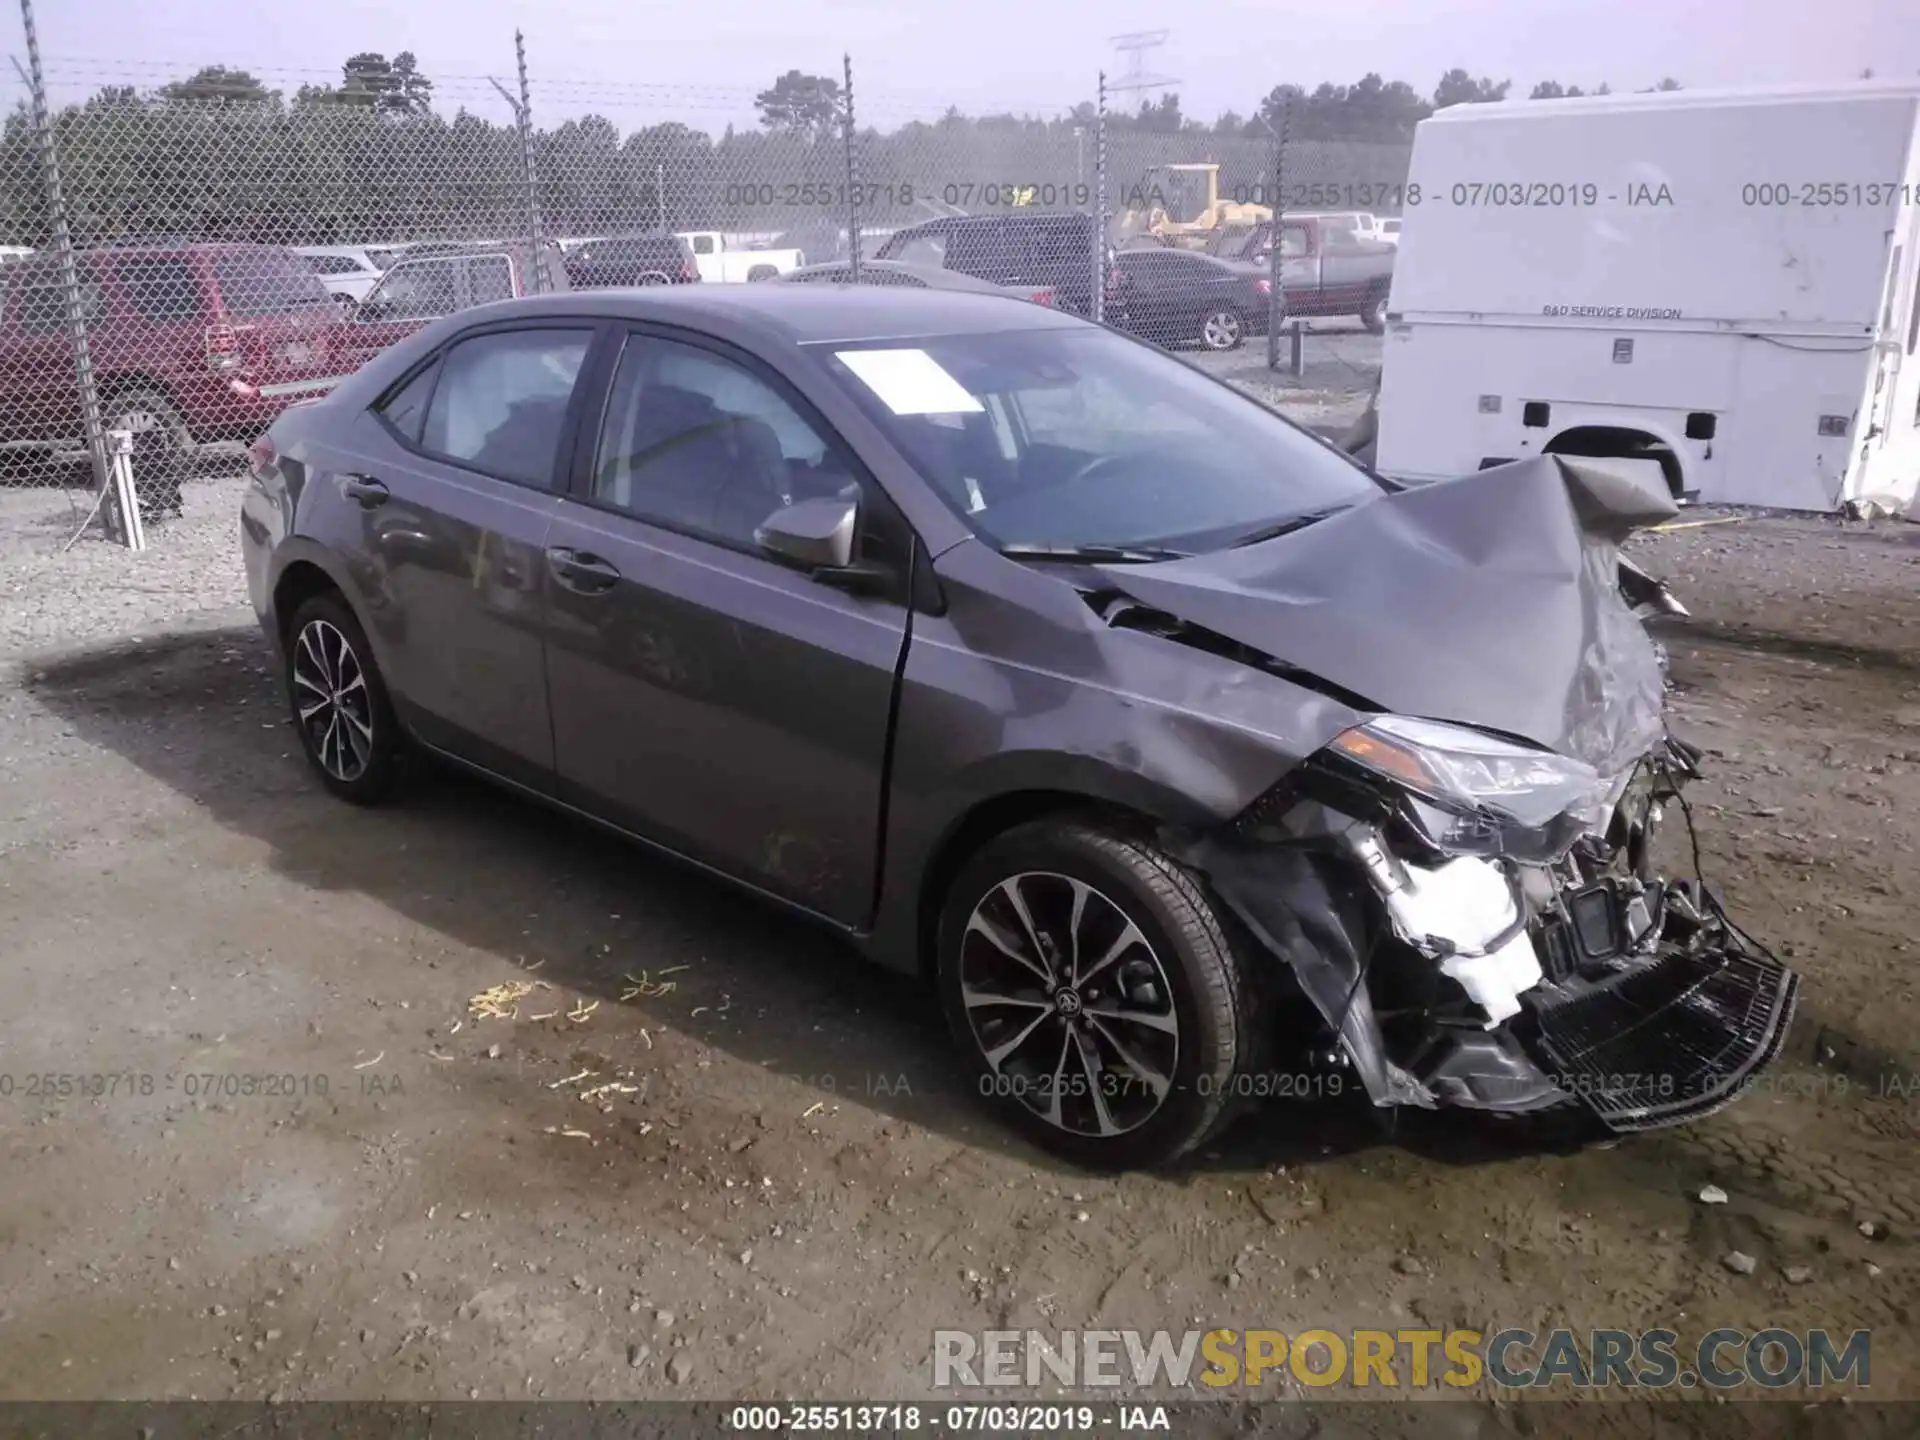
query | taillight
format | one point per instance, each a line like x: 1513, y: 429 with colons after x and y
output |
x: 688, y: 273
x: 262, y: 453
x: 1263, y: 285
x: 223, y: 347
x: 1043, y: 296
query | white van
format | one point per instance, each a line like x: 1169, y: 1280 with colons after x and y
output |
x: 1723, y: 281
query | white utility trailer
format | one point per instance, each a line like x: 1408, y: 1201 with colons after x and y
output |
x: 1721, y: 280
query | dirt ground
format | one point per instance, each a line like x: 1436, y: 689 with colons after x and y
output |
x: 319, y: 1176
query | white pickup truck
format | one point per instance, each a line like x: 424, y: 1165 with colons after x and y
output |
x: 716, y: 262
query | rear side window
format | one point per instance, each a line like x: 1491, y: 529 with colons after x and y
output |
x: 405, y: 409
x: 502, y: 402
x: 334, y: 265
x: 39, y: 300
x: 161, y: 288
x: 266, y: 282
x: 703, y: 245
x: 491, y: 277
x: 929, y: 248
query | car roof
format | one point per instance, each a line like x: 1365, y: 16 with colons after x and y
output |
x: 796, y: 314
x: 936, y: 276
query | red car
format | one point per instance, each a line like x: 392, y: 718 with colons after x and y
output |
x: 189, y: 342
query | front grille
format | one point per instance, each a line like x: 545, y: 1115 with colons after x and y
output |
x: 1670, y: 1041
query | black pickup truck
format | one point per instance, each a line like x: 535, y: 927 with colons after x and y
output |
x: 1325, y: 269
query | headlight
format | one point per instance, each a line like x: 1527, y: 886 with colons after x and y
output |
x: 1471, y: 793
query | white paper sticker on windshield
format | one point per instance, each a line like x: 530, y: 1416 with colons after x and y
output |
x: 909, y: 382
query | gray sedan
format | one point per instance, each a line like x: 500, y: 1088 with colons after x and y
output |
x: 1190, y: 760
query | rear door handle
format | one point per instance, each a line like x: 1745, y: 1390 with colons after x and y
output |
x: 367, y: 492
x: 581, y: 570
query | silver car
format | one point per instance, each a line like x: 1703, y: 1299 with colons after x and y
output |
x: 1192, y: 761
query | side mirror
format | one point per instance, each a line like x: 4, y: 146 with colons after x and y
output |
x: 811, y: 534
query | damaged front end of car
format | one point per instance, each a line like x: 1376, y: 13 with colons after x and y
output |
x: 1502, y: 956
x: 1464, y: 885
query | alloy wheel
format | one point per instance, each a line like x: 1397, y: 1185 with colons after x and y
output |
x: 332, y: 701
x: 1070, y: 1006
x: 1221, y: 330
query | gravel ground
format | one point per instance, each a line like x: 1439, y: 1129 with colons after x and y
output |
x: 98, y: 589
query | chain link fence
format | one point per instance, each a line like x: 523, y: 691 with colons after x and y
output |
x: 182, y: 266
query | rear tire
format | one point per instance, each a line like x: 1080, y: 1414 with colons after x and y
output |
x: 339, y: 702
x: 1113, y: 1029
x: 163, y: 449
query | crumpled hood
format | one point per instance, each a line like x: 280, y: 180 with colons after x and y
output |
x: 1490, y: 600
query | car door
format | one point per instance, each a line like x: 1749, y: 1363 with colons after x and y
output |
x: 704, y: 695
x: 1148, y: 296
x: 443, y: 504
x: 1300, y: 268
x: 1197, y: 287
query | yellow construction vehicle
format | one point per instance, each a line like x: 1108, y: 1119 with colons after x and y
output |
x: 1181, y: 205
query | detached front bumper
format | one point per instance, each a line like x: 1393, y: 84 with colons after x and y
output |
x: 1669, y: 1040
x: 1491, y: 985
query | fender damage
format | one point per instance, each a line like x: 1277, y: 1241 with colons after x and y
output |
x: 1461, y: 950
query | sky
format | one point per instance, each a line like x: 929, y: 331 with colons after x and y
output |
x: 913, y: 58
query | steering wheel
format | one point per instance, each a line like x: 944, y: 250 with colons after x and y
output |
x: 1118, y: 460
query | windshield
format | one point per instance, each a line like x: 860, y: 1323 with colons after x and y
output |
x: 1185, y: 195
x: 1081, y: 437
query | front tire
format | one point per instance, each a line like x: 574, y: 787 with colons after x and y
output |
x: 1101, y: 1008
x: 339, y: 702
x: 1374, y: 317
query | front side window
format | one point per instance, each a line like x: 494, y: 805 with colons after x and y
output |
x: 161, y: 288
x: 696, y: 443
x: 1063, y: 438
x: 406, y: 408
x: 416, y: 290
x: 502, y: 402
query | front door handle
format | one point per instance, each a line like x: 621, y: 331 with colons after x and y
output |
x: 581, y: 570
x: 366, y: 491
